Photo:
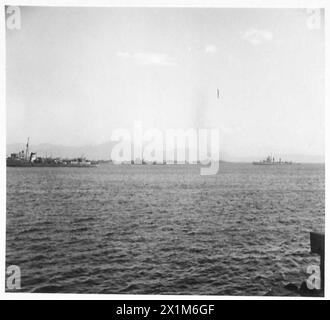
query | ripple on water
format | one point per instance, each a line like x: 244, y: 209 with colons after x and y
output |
x: 162, y: 229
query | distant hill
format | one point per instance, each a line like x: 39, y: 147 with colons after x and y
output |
x: 92, y: 152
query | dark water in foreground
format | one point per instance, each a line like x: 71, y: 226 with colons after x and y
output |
x: 163, y: 229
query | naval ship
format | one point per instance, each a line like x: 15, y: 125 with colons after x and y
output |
x: 25, y: 158
x: 271, y: 161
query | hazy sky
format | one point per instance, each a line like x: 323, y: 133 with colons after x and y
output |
x: 75, y: 74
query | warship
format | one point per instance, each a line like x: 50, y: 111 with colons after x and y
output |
x: 25, y: 158
x: 271, y: 161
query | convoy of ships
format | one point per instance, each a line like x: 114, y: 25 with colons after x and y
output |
x: 25, y: 158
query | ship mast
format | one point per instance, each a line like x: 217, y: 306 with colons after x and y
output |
x: 27, y: 149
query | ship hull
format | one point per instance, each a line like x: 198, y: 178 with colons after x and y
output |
x: 271, y: 164
x: 25, y: 164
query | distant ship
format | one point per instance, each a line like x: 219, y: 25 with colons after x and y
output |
x: 271, y: 161
x: 30, y: 159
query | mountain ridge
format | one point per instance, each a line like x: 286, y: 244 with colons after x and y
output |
x: 103, y: 152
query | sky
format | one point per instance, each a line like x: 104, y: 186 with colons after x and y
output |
x: 73, y: 75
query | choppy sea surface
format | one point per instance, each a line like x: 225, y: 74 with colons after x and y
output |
x: 163, y: 229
